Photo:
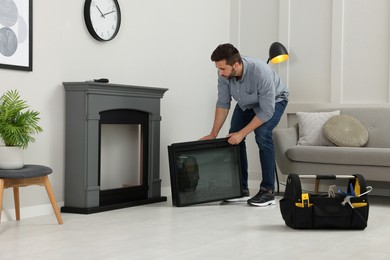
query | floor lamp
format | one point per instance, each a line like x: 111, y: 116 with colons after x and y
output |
x: 277, y: 54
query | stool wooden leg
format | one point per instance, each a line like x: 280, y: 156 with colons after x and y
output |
x: 52, y: 199
x: 1, y: 196
x: 17, y: 202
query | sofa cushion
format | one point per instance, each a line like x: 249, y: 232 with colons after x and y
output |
x: 376, y: 122
x: 310, y: 125
x: 346, y: 130
x: 340, y: 155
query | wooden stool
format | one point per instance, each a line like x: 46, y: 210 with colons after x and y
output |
x: 28, y: 175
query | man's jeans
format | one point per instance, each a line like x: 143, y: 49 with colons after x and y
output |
x: 263, y: 136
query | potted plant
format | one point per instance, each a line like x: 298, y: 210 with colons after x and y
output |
x: 18, y: 124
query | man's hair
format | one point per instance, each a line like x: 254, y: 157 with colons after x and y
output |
x: 226, y: 52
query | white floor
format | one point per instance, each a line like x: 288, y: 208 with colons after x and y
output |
x: 207, y: 231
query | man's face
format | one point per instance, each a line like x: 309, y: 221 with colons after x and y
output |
x: 225, y: 70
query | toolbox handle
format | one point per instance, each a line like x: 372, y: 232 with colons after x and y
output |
x: 326, y: 177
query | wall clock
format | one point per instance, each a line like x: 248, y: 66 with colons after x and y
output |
x: 103, y: 18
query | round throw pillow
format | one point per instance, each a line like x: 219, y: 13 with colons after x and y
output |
x: 345, y: 130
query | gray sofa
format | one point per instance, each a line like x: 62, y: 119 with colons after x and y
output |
x: 372, y: 161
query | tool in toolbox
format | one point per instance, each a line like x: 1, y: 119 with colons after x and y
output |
x: 323, y: 211
x: 305, y: 201
x: 347, y: 198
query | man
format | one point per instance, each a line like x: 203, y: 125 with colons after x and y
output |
x: 261, y: 100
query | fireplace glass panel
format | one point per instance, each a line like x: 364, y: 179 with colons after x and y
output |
x: 121, y: 156
x: 204, y: 171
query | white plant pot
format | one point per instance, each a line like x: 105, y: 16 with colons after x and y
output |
x: 11, y: 157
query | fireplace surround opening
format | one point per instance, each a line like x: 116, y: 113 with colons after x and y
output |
x: 120, y: 156
x: 123, y: 153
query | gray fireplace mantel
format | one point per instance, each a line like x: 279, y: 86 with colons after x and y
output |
x: 84, y: 102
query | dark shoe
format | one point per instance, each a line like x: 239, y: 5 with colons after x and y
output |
x: 240, y: 199
x: 262, y: 199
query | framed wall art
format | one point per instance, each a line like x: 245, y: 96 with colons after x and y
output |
x: 16, y: 34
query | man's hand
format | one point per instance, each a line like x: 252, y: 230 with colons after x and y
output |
x: 208, y: 137
x: 235, y: 138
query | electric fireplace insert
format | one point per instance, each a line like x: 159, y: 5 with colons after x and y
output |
x: 204, y: 171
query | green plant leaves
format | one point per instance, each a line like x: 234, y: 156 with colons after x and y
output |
x: 18, y: 124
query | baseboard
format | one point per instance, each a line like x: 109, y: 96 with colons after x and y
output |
x: 29, y: 212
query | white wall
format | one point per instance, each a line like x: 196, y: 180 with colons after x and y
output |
x: 339, y: 51
x: 163, y: 44
x: 255, y: 26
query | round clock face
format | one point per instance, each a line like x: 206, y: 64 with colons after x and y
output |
x: 103, y: 18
